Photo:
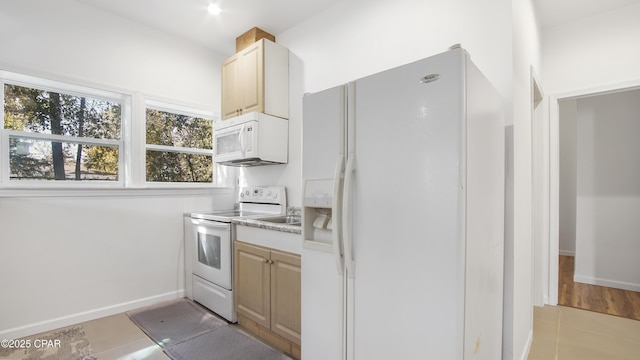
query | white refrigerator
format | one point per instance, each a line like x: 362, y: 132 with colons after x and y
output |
x: 403, y: 215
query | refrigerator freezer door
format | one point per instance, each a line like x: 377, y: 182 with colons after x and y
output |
x: 323, y: 149
x: 322, y: 307
x: 322, y: 132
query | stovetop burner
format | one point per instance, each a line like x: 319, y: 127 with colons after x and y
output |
x: 252, y: 202
x: 228, y: 215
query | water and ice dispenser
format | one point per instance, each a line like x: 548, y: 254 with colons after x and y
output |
x: 317, y: 213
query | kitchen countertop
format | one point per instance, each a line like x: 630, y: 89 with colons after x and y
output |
x: 294, y: 229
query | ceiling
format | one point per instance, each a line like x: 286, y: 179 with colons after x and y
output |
x: 554, y: 12
x: 189, y: 18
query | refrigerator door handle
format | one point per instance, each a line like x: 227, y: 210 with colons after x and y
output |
x: 346, y: 215
x: 337, y: 215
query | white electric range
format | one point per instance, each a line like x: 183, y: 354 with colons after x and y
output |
x: 209, y: 246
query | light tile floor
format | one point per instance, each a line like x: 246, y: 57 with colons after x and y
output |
x: 564, y: 333
x: 117, y: 337
x: 559, y: 333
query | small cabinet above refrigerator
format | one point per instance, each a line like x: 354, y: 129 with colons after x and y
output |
x: 256, y: 79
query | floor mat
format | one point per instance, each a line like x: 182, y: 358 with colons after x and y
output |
x: 173, y: 322
x: 223, y: 344
x: 188, y: 332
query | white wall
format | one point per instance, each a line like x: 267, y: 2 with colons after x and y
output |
x: 592, y: 52
x: 70, y: 259
x: 67, y: 259
x: 568, y: 176
x: 358, y: 38
x: 526, y: 53
x: 608, y: 190
x: 69, y: 40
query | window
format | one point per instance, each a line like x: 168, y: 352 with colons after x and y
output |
x: 179, y: 145
x: 58, y: 133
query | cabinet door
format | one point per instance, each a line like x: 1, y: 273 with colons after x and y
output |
x: 252, y: 290
x: 252, y: 78
x: 231, y: 95
x: 285, y: 295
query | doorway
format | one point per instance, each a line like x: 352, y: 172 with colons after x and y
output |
x: 602, y: 299
x: 602, y: 209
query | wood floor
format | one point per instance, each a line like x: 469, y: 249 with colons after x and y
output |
x: 595, y: 298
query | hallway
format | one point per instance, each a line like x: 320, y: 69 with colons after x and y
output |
x: 601, y: 299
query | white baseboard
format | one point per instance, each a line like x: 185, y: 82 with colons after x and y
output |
x: 566, y: 253
x: 527, y: 348
x: 51, y: 324
x: 608, y: 283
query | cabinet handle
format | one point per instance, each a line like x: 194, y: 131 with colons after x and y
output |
x: 268, y: 261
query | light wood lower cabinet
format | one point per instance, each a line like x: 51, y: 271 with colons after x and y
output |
x: 252, y: 283
x: 285, y: 295
x: 267, y: 294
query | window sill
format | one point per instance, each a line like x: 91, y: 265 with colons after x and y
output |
x: 128, y: 192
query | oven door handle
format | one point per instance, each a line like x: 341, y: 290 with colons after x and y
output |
x: 211, y: 224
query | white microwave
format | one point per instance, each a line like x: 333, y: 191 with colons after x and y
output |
x: 251, y: 139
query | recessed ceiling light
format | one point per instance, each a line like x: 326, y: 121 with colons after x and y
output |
x: 213, y: 9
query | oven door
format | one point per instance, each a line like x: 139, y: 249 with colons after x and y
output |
x: 236, y: 142
x: 212, y: 255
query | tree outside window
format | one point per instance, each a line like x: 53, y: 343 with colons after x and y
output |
x: 179, y: 147
x: 59, y: 136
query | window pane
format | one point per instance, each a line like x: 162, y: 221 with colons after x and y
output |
x: 164, y: 128
x: 48, y: 160
x: 48, y: 112
x: 177, y: 167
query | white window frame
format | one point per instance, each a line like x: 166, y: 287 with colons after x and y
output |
x: 124, y: 100
x: 167, y: 106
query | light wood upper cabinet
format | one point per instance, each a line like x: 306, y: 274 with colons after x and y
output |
x: 268, y: 289
x: 252, y: 79
x: 256, y: 79
x: 231, y: 96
